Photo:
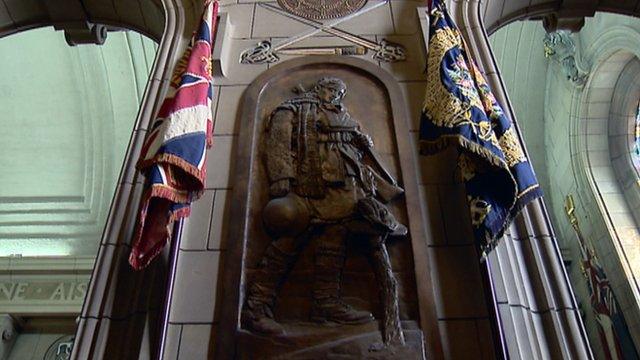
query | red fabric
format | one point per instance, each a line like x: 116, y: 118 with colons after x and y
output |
x: 173, y: 157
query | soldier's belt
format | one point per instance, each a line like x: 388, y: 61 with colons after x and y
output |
x: 337, y: 136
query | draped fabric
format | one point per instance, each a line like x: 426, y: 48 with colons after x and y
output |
x: 612, y: 327
x: 460, y: 110
x: 173, y: 158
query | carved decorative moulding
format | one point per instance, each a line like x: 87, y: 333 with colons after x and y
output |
x: 61, y: 348
x: 267, y: 52
x: 560, y: 47
x: 322, y: 9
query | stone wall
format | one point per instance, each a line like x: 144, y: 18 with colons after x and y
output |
x: 569, y: 135
x: 532, y: 291
x: 462, y: 328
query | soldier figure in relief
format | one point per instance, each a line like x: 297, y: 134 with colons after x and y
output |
x: 320, y: 187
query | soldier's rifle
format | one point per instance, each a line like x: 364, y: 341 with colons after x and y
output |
x: 325, y: 50
x: 264, y: 51
x: 383, y: 51
x: 376, y: 159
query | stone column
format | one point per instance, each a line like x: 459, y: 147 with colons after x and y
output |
x: 536, y: 306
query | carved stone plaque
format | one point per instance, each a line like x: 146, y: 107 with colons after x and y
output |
x: 322, y: 9
x: 326, y: 254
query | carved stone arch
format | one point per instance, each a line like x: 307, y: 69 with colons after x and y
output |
x: 78, y: 18
x: 602, y: 132
x: 376, y: 94
x: 121, y: 315
x: 558, y: 14
x: 622, y: 127
x: 607, y: 58
x: 120, y: 312
x: 614, y: 41
x: 81, y: 212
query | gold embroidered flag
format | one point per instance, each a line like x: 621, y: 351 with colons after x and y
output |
x: 460, y: 110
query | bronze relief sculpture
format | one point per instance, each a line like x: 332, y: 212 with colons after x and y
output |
x: 328, y: 186
x: 326, y: 253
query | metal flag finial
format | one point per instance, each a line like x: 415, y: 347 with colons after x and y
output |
x: 570, y: 209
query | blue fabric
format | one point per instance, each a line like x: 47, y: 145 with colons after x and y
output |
x: 190, y: 147
x: 625, y: 341
x: 460, y: 110
x: 204, y: 32
x: 190, y: 79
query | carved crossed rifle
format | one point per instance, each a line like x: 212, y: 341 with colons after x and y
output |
x: 265, y: 52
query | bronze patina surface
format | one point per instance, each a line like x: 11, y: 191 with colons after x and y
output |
x: 322, y: 187
x: 326, y: 257
x: 322, y: 9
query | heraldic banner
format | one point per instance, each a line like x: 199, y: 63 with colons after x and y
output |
x: 460, y: 110
x: 173, y: 157
x: 614, y: 333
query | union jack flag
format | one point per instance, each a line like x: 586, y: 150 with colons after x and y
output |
x: 612, y: 327
x: 174, y: 155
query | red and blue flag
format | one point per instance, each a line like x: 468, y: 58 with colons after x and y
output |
x: 612, y: 327
x: 174, y: 155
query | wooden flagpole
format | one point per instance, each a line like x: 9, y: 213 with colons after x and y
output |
x: 176, y: 236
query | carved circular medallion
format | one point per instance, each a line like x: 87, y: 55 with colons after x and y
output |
x: 60, y: 349
x: 322, y: 9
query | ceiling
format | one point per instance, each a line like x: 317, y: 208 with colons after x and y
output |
x: 144, y: 16
x: 66, y: 125
x: 147, y: 16
x: 498, y: 13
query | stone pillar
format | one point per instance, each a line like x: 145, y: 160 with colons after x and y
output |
x: 535, y: 301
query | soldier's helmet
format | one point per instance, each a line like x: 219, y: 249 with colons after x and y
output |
x: 286, y: 216
x: 333, y: 83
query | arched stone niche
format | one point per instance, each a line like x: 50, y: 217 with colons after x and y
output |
x: 374, y: 99
x: 603, y: 135
x: 622, y: 128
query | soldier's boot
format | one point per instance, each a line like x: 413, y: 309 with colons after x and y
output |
x: 328, y: 305
x: 257, y: 313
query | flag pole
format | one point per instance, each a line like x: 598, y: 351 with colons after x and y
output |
x: 499, y: 344
x: 169, y: 286
x: 489, y: 292
x: 175, y: 176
